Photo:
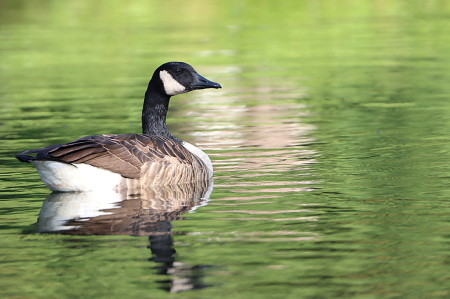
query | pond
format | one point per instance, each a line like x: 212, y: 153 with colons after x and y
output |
x: 329, y: 141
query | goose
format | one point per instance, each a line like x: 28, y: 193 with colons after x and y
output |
x: 154, y: 158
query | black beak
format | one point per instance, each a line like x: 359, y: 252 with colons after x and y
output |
x: 202, y: 83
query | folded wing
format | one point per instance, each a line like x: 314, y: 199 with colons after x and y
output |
x: 131, y: 155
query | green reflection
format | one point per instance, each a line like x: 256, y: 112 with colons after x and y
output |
x: 376, y: 224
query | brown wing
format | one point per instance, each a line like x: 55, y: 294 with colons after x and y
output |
x: 124, y: 154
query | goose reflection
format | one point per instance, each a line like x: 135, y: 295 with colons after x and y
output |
x: 136, y: 212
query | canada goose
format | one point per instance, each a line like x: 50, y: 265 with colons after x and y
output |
x: 155, y: 157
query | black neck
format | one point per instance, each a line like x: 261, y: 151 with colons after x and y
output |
x: 156, y: 104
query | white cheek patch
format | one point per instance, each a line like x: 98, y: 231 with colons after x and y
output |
x: 171, y: 86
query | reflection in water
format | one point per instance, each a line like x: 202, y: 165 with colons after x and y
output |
x: 256, y: 137
x: 251, y: 117
x: 136, y: 212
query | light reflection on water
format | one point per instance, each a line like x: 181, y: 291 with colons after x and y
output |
x: 264, y: 123
x: 260, y: 139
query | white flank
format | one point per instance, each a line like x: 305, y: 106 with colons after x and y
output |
x: 199, y: 153
x: 171, y: 86
x: 65, y: 177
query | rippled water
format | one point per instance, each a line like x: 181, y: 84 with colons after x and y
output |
x: 328, y: 139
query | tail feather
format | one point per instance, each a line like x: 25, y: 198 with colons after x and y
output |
x: 24, y: 158
x: 29, y: 159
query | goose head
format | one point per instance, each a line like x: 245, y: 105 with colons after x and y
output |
x: 180, y: 77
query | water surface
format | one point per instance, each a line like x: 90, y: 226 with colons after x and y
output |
x: 328, y: 139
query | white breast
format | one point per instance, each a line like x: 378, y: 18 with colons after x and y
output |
x: 199, y: 153
x: 78, y: 177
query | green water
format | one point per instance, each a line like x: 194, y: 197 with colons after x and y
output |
x: 329, y: 141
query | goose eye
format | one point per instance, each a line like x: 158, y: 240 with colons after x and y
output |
x: 177, y: 71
